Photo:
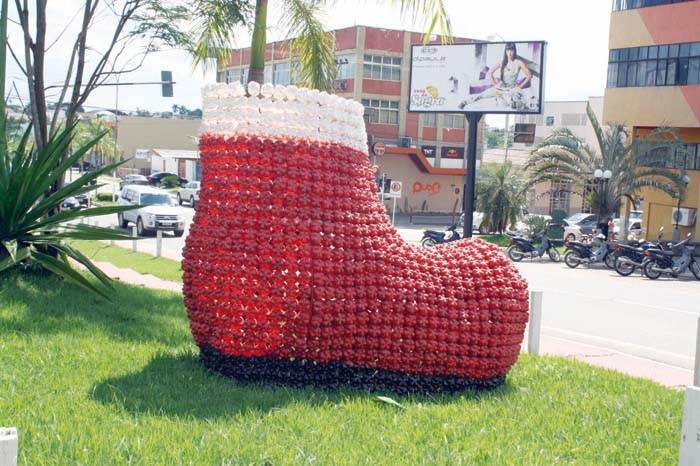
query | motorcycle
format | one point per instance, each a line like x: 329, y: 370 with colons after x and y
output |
x: 671, y: 263
x: 630, y: 256
x: 522, y: 247
x: 432, y: 237
x: 579, y: 253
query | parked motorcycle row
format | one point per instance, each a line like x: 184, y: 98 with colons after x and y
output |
x: 652, y: 258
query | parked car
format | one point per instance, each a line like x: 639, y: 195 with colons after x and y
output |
x: 477, y: 220
x: 634, y: 229
x: 133, y: 179
x: 70, y: 203
x: 157, y: 211
x: 579, y: 225
x: 157, y: 178
x: 189, y: 193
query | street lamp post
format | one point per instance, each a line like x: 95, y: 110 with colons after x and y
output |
x: 601, y: 177
x: 676, y: 236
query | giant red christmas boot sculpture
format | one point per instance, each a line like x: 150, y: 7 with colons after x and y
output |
x: 293, y: 274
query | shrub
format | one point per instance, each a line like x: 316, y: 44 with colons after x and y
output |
x: 106, y: 197
x: 170, y: 182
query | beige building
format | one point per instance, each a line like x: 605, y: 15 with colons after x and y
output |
x: 138, y: 136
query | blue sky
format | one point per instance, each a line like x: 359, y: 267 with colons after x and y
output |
x: 576, y: 30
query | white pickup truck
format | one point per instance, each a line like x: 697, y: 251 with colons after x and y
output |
x: 157, y: 211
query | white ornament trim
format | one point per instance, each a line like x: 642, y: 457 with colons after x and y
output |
x: 283, y: 112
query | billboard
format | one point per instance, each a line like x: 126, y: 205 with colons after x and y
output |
x: 493, y: 77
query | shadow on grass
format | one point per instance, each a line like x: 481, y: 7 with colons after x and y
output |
x: 45, y: 304
x: 180, y: 386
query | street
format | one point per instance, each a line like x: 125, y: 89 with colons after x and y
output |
x: 633, y: 315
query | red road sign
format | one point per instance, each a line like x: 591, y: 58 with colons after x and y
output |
x: 379, y: 149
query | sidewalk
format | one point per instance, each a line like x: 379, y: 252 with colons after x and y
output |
x: 664, y: 374
x: 670, y: 376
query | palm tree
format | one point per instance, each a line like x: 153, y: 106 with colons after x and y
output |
x: 500, y: 195
x: 104, y: 149
x: 314, y: 47
x: 565, y: 157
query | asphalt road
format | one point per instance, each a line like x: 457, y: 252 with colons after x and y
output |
x: 634, y: 315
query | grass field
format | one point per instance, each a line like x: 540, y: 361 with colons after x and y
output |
x: 100, y: 383
x: 166, y: 269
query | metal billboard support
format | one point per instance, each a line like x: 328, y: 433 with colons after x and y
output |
x: 473, y: 119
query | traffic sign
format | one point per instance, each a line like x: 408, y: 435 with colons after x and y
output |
x: 395, y: 188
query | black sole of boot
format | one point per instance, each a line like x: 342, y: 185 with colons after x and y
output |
x: 335, y: 375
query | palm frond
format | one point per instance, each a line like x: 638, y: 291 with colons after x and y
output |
x: 314, y: 47
x: 214, y: 30
x: 431, y: 13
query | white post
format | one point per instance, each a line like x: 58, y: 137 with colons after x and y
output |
x: 159, y: 242
x: 689, y: 454
x: 133, y: 241
x: 696, y: 374
x: 393, y: 212
x: 535, y: 327
x: 113, y: 227
x: 8, y: 446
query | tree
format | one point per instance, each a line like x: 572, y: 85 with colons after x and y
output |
x: 501, y: 194
x: 103, y: 151
x: 565, y: 157
x: 313, y: 46
x: 138, y: 28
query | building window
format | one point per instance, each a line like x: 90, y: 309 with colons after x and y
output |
x: 268, y: 74
x: 280, y: 73
x: 687, y: 155
x: 550, y: 121
x: 453, y: 121
x: 560, y: 195
x: 385, y: 112
x: 574, y: 119
x: 655, y: 65
x: 380, y: 67
x: 236, y: 74
x: 429, y: 120
x: 630, y: 4
x: 346, y: 66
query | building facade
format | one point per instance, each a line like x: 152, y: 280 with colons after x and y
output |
x: 424, y: 151
x: 654, y: 81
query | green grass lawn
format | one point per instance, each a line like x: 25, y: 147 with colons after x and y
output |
x: 99, y: 383
x: 166, y: 269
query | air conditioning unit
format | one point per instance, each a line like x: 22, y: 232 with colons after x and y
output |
x: 683, y: 216
x: 341, y: 85
x: 405, y: 142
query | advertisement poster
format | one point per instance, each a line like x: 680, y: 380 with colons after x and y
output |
x: 452, y: 153
x: 502, y: 77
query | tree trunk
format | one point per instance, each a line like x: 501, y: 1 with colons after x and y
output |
x: 3, y: 55
x: 256, y: 71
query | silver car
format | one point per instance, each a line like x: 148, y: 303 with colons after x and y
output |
x: 189, y: 193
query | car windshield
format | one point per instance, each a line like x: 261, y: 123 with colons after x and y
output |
x: 155, y: 199
x: 635, y: 215
x: 576, y: 218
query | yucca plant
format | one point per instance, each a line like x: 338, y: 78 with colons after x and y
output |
x: 33, y: 229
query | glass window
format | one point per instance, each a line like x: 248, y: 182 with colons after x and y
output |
x: 268, y: 73
x: 382, y: 67
x: 694, y: 71
x: 280, y: 74
x: 155, y: 199
x: 643, y: 53
x: 622, y: 75
x: 695, y: 49
x: 684, y: 50
x: 632, y: 74
x: 663, y: 51
x: 653, y: 51
x: 682, y: 71
x: 651, y: 73
x: 623, y: 54
x: 673, y: 51
x: 633, y: 53
x: 454, y: 121
x: 346, y: 66
x: 429, y: 120
x: 383, y: 111
x: 641, y: 74
x: 671, y: 69
x: 612, y: 75
x: 661, y: 73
